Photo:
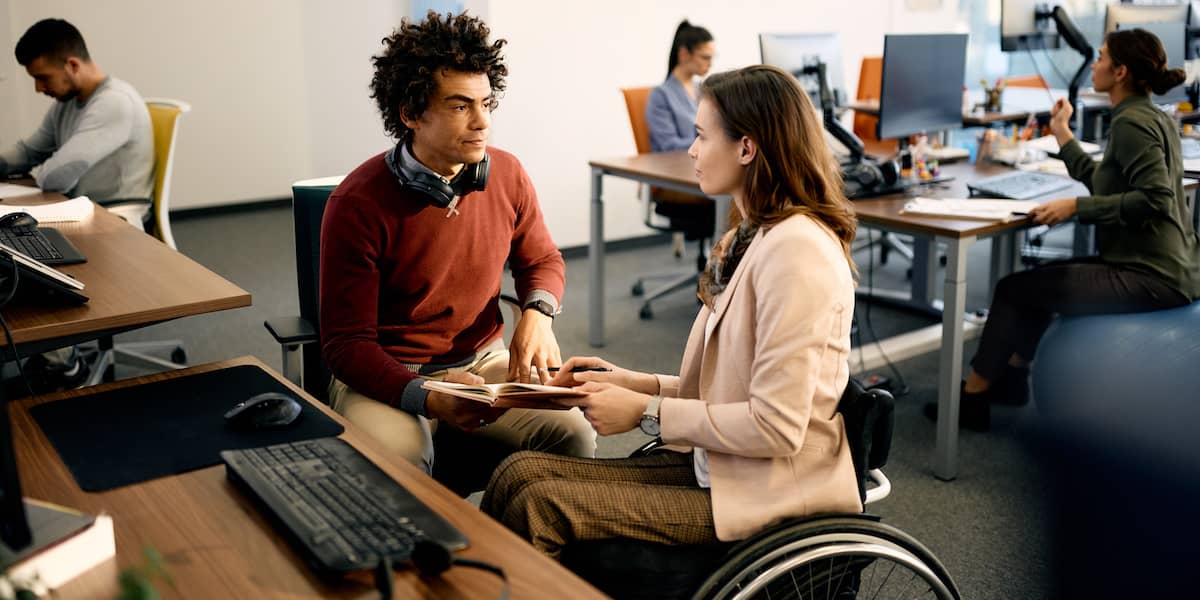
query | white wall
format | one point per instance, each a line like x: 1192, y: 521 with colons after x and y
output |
x: 279, y: 87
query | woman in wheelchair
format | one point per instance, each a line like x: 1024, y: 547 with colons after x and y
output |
x: 765, y: 363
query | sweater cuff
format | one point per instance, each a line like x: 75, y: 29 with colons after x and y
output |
x: 1086, y: 209
x: 412, y: 399
x: 542, y: 295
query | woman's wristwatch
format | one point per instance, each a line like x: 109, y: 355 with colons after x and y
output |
x: 649, y: 423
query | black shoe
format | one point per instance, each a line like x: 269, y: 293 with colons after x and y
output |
x: 974, y: 411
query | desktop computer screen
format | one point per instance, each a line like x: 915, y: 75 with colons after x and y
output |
x: 1174, y: 39
x: 794, y: 51
x: 1133, y: 15
x: 922, y: 84
x: 1020, y: 29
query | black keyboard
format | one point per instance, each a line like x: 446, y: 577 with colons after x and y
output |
x: 1019, y: 185
x: 30, y: 241
x: 340, y: 510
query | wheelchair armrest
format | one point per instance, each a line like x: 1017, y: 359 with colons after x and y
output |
x: 289, y: 331
x: 881, y: 489
x: 648, y: 448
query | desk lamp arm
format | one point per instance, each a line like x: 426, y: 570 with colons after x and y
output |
x: 844, y: 136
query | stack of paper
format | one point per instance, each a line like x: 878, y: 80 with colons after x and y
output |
x: 76, y: 209
x: 1049, y: 145
x: 975, y: 209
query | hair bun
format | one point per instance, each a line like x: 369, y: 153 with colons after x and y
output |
x: 1167, y: 79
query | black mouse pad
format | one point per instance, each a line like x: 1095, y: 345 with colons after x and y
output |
x: 130, y: 435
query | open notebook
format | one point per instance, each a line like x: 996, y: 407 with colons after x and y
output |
x: 507, y: 395
x: 975, y: 209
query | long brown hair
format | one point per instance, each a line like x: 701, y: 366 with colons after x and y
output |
x: 794, y: 171
x: 1143, y: 54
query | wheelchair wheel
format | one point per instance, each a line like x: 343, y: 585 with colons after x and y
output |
x: 842, y: 558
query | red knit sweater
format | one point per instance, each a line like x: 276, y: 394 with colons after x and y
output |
x: 402, y: 283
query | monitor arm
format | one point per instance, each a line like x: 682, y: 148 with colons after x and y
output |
x: 1071, y: 34
x: 844, y: 136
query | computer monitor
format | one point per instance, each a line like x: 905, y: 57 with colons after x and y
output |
x: 1174, y: 39
x: 1130, y: 15
x: 922, y: 84
x: 794, y: 51
x: 1021, y: 27
x: 14, y: 526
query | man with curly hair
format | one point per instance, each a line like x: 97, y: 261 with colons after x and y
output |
x: 413, y: 248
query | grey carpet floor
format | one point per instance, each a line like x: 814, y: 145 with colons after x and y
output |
x: 990, y: 526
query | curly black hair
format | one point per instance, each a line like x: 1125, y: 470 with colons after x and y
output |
x: 415, y: 52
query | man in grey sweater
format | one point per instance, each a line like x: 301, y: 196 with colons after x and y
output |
x: 96, y: 141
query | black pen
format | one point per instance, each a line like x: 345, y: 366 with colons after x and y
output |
x: 581, y: 369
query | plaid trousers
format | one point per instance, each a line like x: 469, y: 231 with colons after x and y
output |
x: 553, y: 500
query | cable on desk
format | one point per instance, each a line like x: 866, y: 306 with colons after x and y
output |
x: 902, y: 387
x: 431, y: 558
x: 8, y: 296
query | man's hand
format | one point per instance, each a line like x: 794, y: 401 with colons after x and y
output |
x: 645, y: 383
x: 1053, y: 212
x: 533, y: 347
x: 1060, y: 121
x: 611, y: 409
x: 462, y: 413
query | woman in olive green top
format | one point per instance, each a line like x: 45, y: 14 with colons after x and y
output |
x: 1147, y: 246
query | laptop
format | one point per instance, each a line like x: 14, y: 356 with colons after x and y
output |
x: 36, y: 281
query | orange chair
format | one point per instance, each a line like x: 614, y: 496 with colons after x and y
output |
x: 693, y: 216
x: 1026, y: 81
x: 870, y: 86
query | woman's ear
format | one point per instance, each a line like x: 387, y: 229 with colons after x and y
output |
x: 1120, y: 73
x: 747, y: 151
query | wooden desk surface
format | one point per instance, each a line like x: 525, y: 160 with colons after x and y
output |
x: 131, y: 278
x: 675, y: 167
x: 217, y: 544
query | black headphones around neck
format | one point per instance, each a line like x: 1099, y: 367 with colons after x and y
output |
x: 435, y: 189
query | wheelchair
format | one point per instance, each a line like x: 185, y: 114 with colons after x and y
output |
x: 837, y: 556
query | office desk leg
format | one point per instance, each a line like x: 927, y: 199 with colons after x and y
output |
x: 924, y: 271
x: 950, y: 374
x: 1081, y: 240
x: 596, y: 265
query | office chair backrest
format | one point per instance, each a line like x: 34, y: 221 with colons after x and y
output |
x: 869, y: 418
x: 308, y: 208
x: 635, y: 102
x: 1026, y: 81
x: 164, y: 119
x: 870, y: 86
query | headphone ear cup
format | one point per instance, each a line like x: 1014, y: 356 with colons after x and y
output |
x: 431, y: 188
x: 889, y: 171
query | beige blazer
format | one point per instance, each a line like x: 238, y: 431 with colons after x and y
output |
x: 760, y: 392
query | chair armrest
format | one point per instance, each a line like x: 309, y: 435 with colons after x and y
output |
x: 291, y: 330
x: 122, y: 201
x: 648, y: 448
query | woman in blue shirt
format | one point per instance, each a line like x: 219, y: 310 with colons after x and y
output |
x: 671, y: 109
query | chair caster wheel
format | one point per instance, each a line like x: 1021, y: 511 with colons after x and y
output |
x: 646, y: 313
x: 638, y: 289
x: 178, y: 356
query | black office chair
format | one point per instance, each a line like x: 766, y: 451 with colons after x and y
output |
x: 464, y: 462
x: 824, y: 556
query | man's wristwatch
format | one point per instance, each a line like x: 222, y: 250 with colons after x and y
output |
x: 649, y: 423
x: 541, y: 306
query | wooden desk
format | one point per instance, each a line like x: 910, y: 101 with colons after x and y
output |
x: 217, y: 544
x: 133, y: 281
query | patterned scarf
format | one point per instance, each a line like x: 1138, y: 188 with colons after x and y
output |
x: 724, y: 261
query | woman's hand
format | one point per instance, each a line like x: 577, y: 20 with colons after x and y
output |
x: 1060, y: 121
x: 645, y: 383
x: 611, y: 409
x: 1053, y: 212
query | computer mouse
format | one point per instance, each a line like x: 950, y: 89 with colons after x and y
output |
x: 17, y: 219
x: 264, y: 411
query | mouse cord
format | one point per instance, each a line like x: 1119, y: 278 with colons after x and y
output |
x: 383, y: 577
x: 8, y: 296
x: 383, y: 574
x: 490, y: 568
